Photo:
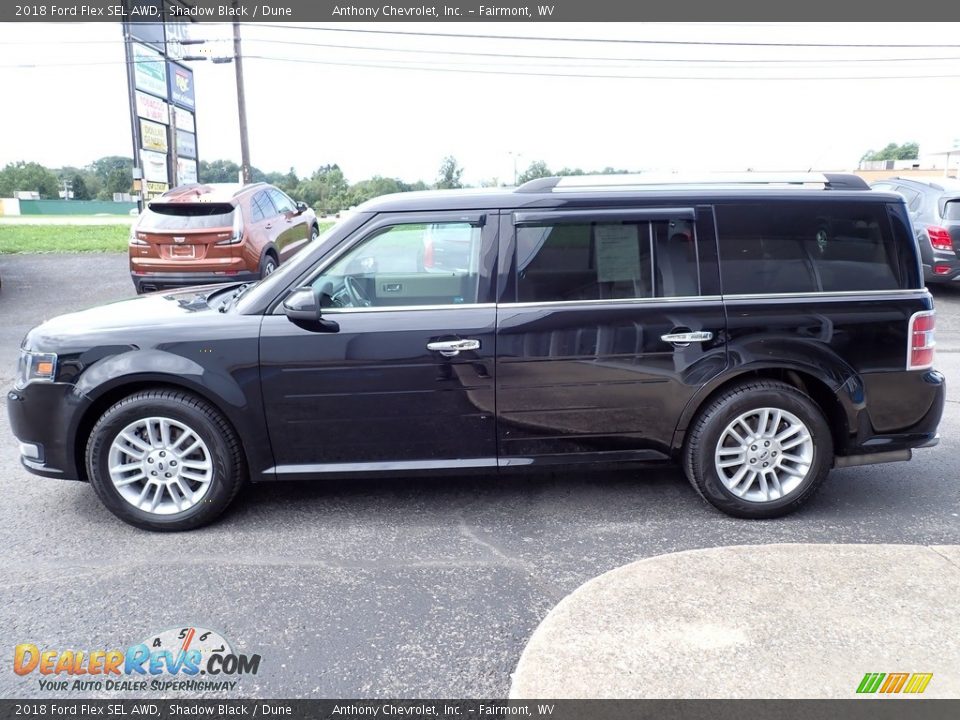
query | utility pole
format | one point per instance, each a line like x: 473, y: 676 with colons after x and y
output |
x: 241, y: 102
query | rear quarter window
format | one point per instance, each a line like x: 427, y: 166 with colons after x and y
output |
x: 951, y: 210
x: 798, y: 247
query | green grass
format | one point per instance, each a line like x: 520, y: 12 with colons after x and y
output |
x: 63, y: 238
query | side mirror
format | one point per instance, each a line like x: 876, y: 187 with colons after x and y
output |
x: 301, y: 208
x: 302, y: 304
x: 302, y: 308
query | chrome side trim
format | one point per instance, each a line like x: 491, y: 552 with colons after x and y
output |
x: 407, y: 308
x: 612, y: 301
x: 840, y: 294
x: 389, y: 466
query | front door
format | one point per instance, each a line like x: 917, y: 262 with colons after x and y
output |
x: 406, y: 382
x: 612, y: 320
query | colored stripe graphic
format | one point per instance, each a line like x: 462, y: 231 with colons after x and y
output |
x: 894, y: 682
x: 918, y: 682
x: 870, y: 682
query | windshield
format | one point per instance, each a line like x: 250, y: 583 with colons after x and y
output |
x: 289, y: 270
x: 186, y: 216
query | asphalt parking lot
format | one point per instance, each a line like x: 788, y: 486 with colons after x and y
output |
x: 422, y: 588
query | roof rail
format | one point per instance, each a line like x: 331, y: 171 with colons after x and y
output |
x: 827, y: 181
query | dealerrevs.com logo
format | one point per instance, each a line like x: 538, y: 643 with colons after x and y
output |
x: 189, y: 659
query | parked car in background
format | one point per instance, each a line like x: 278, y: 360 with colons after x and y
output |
x: 934, y: 208
x: 208, y: 233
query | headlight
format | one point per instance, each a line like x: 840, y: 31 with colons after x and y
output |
x: 36, y: 367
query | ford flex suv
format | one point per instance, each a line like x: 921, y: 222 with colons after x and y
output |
x: 756, y: 332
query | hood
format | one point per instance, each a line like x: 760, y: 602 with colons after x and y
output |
x: 154, y: 311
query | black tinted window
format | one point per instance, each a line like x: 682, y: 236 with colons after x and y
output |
x: 281, y: 201
x: 186, y: 216
x: 788, y: 247
x: 606, y: 260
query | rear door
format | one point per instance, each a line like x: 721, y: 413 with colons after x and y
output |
x: 291, y: 228
x: 406, y: 381
x: 610, y: 321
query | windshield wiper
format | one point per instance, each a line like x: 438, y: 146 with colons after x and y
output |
x: 234, y: 296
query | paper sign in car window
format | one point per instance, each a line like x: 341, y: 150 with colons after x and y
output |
x: 618, y: 252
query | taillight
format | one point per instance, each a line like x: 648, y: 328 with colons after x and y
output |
x: 940, y: 238
x: 236, y: 234
x: 921, y: 340
x: 427, y: 252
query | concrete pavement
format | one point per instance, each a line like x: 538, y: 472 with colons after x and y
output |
x: 773, y: 621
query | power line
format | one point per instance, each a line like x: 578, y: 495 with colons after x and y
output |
x: 632, y: 41
x: 588, y: 75
x: 602, y: 58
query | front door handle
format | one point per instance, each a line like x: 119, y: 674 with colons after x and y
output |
x: 452, y: 348
x: 685, y: 338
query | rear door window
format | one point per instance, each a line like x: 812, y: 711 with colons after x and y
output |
x: 261, y: 206
x: 798, y: 247
x: 185, y: 216
x: 560, y: 261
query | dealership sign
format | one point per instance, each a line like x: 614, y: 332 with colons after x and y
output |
x: 152, y: 108
x: 186, y: 144
x: 154, y: 166
x: 183, y: 119
x: 186, y: 171
x: 154, y: 189
x: 149, y: 71
x: 153, y: 136
x: 181, y: 85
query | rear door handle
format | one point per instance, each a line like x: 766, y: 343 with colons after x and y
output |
x: 685, y: 338
x: 452, y: 348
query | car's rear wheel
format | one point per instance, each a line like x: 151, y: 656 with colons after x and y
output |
x: 759, y: 450
x: 164, y: 460
x: 268, y: 264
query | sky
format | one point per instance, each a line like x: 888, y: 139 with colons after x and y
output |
x: 385, y: 107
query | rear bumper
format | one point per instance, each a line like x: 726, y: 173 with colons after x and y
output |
x: 943, y: 269
x: 167, y: 281
x: 902, y: 412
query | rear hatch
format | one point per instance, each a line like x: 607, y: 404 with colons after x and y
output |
x: 188, y: 232
x: 950, y: 212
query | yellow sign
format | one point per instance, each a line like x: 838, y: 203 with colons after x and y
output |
x: 153, y: 136
x: 154, y: 189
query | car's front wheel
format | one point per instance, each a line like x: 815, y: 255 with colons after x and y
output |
x: 164, y: 460
x: 759, y: 450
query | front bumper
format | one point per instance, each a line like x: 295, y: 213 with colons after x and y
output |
x: 42, y: 419
x: 168, y: 281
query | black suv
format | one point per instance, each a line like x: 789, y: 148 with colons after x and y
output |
x: 934, y: 208
x: 758, y: 331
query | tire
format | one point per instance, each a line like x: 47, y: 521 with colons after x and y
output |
x: 268, y: 264
x: 314, y: 232
x: 218, y: 457
x: 710, y: 443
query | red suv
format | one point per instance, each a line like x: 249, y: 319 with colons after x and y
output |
x: 199, y: 234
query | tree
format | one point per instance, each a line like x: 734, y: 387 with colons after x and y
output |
x: 907, y: 151
x: 79, y: 187
x: 28, y: 177
x: 219, y: 171
x: 450, y: 174
x: 536, y: 169
x: 326, y: 190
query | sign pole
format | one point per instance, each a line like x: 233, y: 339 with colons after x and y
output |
x: 134, y: 122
